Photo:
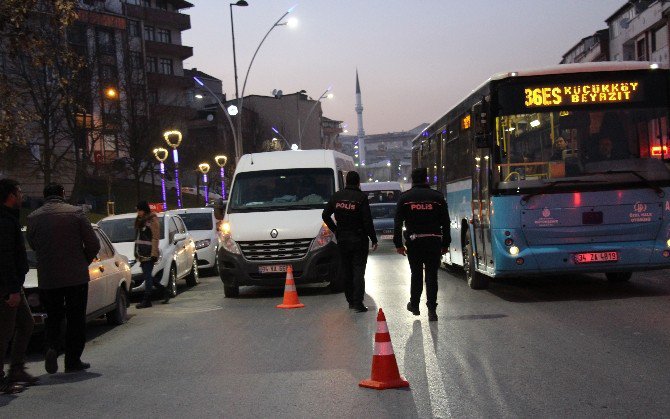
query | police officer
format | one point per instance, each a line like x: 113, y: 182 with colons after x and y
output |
x: 354, y: 226
x: 423, y: 212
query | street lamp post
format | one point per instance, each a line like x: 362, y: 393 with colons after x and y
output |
x: 279, y: 22
x: 232, y: 110
x: 161, y: 155
x: 175, y: 155
x: 204, y: 169
x: 221, y: 161
x: 241, y: 3
x: 323, y: 95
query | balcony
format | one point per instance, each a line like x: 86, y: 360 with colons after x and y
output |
x: 170, y: 50
x: 166, y: 80
x: 175, y: 20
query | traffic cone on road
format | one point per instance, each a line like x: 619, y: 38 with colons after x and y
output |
x: 385, y: 372
x: 290, y: 293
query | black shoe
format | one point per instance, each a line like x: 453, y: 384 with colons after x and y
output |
x: 18, y: 374
x: 359, y: 308
x: 81, y: 366
x: 414, y: 310
x: 7, y: 387
x: 352, y: 306
x: 432, y: 315
x: 143, y: 304
x: 51, y: 361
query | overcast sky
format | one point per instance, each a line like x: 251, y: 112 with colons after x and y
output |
x: 415, y: 58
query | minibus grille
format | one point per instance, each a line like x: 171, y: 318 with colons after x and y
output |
x: 275, y: 250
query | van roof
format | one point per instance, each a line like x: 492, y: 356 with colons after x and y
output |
x: 289, y: 159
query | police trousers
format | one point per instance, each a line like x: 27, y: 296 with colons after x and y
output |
x: 353, y: 258
x: 424, y: 254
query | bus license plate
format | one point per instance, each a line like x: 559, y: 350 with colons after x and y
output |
x: 269, y: 269
x: 387, y: 237
x: 595, y: 257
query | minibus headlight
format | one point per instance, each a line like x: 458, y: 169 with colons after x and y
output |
x: 229, y: 245
x: 324, y: 237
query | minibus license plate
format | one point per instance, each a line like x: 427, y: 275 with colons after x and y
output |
x: 269, y: 269
x: 594, y: 257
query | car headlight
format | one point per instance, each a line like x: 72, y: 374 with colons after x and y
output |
x: 230, y: 245
x: 324, y: 237
x: 201, y: 244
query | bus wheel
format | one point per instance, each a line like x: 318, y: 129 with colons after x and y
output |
x: 618, y: 276
x: 476, y: 280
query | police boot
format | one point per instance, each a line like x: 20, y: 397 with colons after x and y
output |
x: 17, y: 374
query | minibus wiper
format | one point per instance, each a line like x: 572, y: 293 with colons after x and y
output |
x: 637, y: 174
x: 550, y: 186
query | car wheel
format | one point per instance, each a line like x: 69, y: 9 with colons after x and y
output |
x: 618, y: 276
x: 118, y: 316
x: 231, y: 291
x: 476, y: 280
x: 172, y: 282
x: 193, y: 277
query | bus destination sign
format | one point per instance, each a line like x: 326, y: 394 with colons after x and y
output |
x: 583, y: 94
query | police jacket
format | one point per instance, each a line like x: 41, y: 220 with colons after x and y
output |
x: 352, y: 213
x: 13, y: 259
x: 424, y: 213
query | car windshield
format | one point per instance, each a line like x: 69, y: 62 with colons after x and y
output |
x: 122, y: 230
x: 382, y: 210
x: 197, y: 220
x: 271, y: 190
x: 536, y: 149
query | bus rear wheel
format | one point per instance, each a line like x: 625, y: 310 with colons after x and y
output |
x: 618, y: 276
x: 476, y: 280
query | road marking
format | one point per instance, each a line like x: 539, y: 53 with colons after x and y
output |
x: 438, y: 396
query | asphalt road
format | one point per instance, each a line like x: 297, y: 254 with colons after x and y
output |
x: 553, y: 347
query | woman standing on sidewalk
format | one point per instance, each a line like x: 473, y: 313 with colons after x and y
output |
x: 147, y: 233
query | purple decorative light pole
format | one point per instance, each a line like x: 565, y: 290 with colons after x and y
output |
x: 221, y: 161
x: 161, y: 155
x: 204, y: 169
x: 175, y: 156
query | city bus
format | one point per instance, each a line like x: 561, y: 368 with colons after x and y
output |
x: 559, y: 170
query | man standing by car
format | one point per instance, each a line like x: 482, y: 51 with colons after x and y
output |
x: 354, y: 226
x: 65, y: 244
x: 147, y: 234
x: 424, y: 213
x: 16, y: 320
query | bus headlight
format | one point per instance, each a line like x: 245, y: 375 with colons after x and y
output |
x: 513, y: 250
x: 229, y: 245
x: 324, y: 237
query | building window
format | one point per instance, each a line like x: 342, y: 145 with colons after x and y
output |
x: 135, y: 60
x: 149, y: 33
x: 76, y: 35
x: 105, y: 41
x: 660, y: 39
x: 152, y: 97
x: 641, y: 49
x: 166, y: 66
x: 108, y: 73
x: 134, y: 28
x: 164, y: 35
x: 162, y: 4
x: 146, y: 3
x: 152, y: 65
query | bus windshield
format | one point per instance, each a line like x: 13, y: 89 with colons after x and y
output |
x: 612, y: 145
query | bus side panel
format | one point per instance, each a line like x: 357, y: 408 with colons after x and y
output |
x: 459, y: 201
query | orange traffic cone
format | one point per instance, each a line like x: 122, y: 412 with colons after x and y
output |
x: 290, y: 294
x: 385, y: 372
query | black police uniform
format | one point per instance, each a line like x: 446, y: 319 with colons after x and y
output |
x: 426, y: 218
x: 354, y: 226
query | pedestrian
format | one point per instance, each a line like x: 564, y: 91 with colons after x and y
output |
x: 423, y: 212
x: 147, y: 234
x: 16, y: 320
x: 65, y: 244
x: 352, y: 227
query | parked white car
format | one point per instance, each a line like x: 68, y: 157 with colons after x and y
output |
x: 107, y: 291
x: 177, y: 256
x: 193, y: 191
x: 202, y: 225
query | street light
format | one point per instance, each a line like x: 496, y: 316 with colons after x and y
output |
x: 325, y: 94
x: 241, y: 3
x: 175, y: 156
x: 276, y: 131
x: 293, y: 23
x: 204, y: 169
x: 161, y: 155
x: 232, y: 110
x: 221, y: 161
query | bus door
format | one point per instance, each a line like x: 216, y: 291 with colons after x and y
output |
x: 481, y: 199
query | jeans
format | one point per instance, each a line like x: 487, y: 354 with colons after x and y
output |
x: 424, y: 252
x: 15, y: 323
x: 69, y: 303
x: 147, y: 268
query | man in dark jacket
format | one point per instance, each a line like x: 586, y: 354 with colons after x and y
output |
x: 354, y: 226
x: 424, y: 214
x: 16, y: 320
x: 65, y: 244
